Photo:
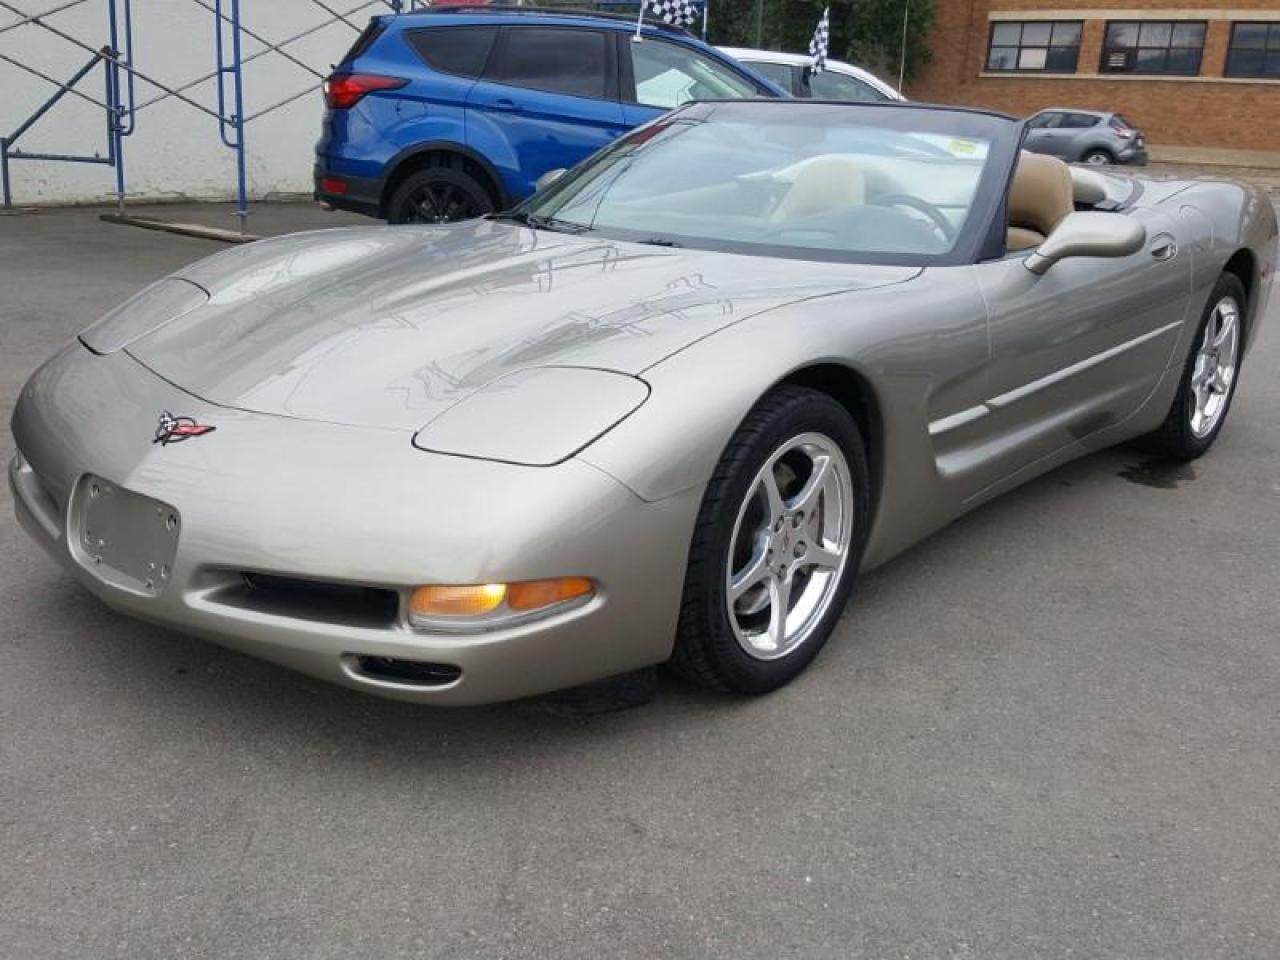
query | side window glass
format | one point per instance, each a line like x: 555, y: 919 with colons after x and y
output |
x: 458, y: 50
x: 829, y: 85
x: 779, y: 73
x: 668, y: 75
x: 557, y: 60
x: 1076, y: 121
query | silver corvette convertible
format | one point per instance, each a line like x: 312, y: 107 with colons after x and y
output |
x: 667, y: 410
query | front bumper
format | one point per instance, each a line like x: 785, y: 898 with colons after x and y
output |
x: 267, y: 496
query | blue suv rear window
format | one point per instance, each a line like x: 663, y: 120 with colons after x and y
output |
x: 458, y: 50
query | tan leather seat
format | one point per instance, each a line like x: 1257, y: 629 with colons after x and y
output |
x: 1039, y: 200
x: 825, y: 183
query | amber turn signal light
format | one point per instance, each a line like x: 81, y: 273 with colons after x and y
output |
x: 485, y: 605
x: 468, y: 601
x: 536, y: 594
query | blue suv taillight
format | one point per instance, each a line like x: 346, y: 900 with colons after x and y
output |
x: 344, y: 90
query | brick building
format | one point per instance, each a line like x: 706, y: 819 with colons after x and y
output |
x: 1204, y: 82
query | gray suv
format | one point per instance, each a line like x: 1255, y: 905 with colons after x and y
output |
x: 1086, y: 136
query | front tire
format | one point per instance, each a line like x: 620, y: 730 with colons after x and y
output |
x: 777, y: 544
x: 1209, y: 378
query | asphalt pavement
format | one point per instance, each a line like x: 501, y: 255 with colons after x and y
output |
x: 1052, y: 730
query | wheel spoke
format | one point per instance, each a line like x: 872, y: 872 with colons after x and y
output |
x: 807, y: 499
x: 1220, y: 383
x: 440, y: 200
x: 453, y: 205
x: 1225, y: 332
x: 425, y: 205
x: 813, y: 527
x: 774, y: 506
x: 755, y: 572
x: 1201, y: 393
x: 1210, y: 330
x: 819, y: 555
x: 1201, y: 371
x: 779, y: 604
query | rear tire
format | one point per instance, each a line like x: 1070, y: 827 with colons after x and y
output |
x: 1098, y: 158
x: 439, y: 194
x: 1209, y: 377
x: 777, y: 544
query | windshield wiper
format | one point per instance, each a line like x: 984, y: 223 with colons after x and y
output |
x: 659, y: 242
x: 541, y: 223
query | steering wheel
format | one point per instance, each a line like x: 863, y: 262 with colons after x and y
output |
x: 936, y: 216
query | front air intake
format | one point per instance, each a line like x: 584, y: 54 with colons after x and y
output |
x: 407, y: 673
x: 315, y: 600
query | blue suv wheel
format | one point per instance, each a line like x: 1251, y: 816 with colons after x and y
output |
x: 447, y: 114
x: 442, y: 191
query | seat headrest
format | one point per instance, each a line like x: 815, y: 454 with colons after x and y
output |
x: 1041, y: 195
x: 821, y: 184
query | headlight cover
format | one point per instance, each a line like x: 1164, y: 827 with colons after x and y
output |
x: 536, y: 417
x: 149, y: 310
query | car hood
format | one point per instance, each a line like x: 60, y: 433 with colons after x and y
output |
x: 389, y: 326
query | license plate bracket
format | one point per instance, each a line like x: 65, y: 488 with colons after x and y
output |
x: 123, y: 537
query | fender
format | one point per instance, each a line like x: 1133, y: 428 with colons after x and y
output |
x: 439, y: 146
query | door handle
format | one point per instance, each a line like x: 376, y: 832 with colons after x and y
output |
x: 1164, y: 247
x: 505, y: 104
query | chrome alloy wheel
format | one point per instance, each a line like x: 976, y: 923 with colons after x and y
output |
x: 790, y: 545
x: 1214, y: 372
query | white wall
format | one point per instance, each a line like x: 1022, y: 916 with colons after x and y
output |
x: 176, y: 151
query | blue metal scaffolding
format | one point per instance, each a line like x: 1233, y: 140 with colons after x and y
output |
x: 121, y: 77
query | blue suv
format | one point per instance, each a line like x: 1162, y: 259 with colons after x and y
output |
x: 455, y: 112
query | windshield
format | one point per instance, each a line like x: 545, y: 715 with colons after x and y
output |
x: 826, y: 181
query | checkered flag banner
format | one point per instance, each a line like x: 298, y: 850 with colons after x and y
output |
x: 821, y: 40
x: 678, y: 13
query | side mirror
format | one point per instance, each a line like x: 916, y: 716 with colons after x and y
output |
x: 1088, y: 235
x: 548, y: 178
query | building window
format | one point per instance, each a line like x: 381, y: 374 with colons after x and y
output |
x: 1254, y: 50
x: 1042, y: 46
x: 1153, y: 46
